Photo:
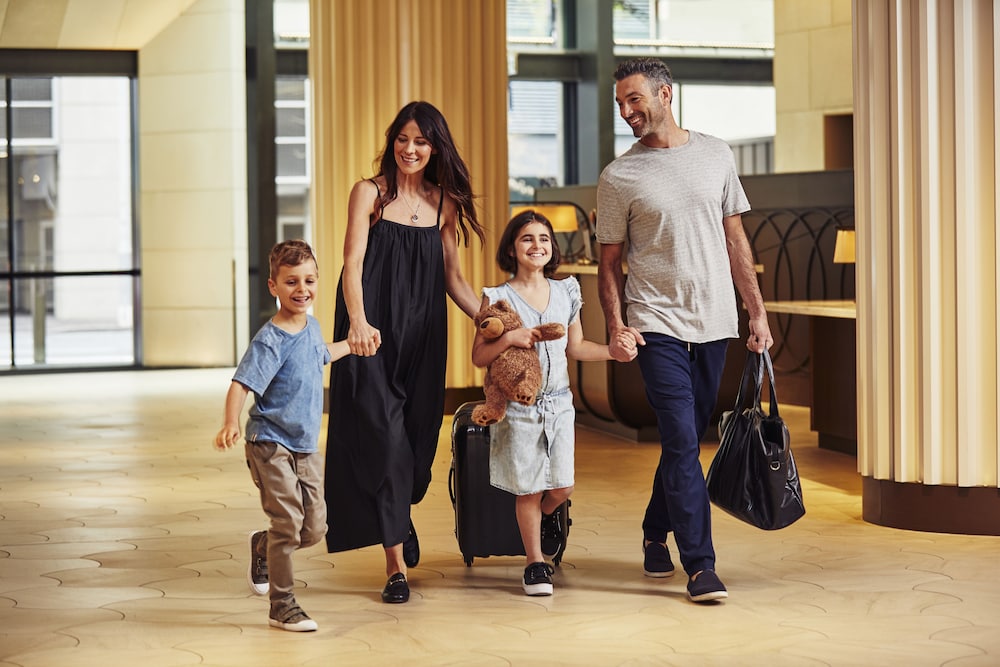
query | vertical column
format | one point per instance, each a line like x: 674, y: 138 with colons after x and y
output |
x: 368, y: 59
x: 925, y: 78
x: 193, y: 187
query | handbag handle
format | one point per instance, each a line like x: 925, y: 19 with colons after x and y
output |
x: 755, y: 364
x: 773, y: 404
x: 753, y: 371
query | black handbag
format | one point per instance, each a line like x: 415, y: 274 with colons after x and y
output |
x: 753, y: 475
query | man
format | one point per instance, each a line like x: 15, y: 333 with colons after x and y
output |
x: 675, y: 197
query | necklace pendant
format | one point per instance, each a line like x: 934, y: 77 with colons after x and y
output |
x: 413, y: 218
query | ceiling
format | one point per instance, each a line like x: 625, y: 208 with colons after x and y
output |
x: 85, y: 24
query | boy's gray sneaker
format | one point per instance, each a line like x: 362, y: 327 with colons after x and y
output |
x: 292, y: 619
x: 257, y: 570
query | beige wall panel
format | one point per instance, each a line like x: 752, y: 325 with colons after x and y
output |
x: 196, y: 42
x: 175, y: 220
x: 829, y: 68
x: 205, y: 339
x: 369, y: 59
x: 791, y: 69
x: 796, y: 15
x: 30, y: 24
x: 192, y: 176
x: 200, y: 101
x: 143, y: 20
x: 840, y: 12
x: 798, y: 142
x: 199, y: 279
x: 812, y: 78
x: 91, y: 24
x: 194, y: 160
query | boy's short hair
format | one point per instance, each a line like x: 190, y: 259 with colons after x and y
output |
x: 289, y: 253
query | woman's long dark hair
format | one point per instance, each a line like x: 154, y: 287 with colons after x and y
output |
x: 445, y: 168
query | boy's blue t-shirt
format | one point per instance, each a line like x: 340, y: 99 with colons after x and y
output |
x: 285, y: 373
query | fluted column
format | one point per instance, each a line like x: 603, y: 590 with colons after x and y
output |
x: 368, y: 59
x: 926, y: 171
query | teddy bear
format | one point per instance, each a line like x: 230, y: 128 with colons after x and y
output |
x: 516, y: 374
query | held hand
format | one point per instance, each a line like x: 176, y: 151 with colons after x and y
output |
x: 226, y: 438
x: 760, y: 335
x: 364, y: 339
x: 622, y: 344
x: 522, y: 337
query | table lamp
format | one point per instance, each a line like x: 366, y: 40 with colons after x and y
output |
x: 843, y: 249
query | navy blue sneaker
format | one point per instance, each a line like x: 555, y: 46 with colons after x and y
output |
x: 656, y: 560
x: 705, y: 586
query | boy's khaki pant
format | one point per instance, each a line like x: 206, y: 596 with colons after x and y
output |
x: 291, y: 494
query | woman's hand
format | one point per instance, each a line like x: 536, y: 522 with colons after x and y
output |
x: 364, y: 339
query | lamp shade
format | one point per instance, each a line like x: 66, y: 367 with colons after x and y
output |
x: 843, y: 250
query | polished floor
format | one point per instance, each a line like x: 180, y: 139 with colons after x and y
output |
x: 123, y: 542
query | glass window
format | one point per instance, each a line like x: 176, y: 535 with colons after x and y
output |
x: 535, y: 137
x: 74, y: 321
x: 532, y: 23
x: 705, y: 27
x: 729, y: 112
x: 292, y: 143
x: 68, y: 290
x: 632, y: 19
x: 291, y: 24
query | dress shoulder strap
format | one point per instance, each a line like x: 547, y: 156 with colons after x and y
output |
x: 440, y: 206
x: 376, y: 211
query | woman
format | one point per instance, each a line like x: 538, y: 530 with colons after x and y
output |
x: 400, y: 258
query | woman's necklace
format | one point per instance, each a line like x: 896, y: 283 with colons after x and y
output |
x: 414, y: 217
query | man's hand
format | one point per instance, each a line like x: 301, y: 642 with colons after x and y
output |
x: 622, y: 344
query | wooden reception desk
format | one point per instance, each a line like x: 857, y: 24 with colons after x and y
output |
x: 833, y: 364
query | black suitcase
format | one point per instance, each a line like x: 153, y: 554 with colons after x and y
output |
x: 485, y: 522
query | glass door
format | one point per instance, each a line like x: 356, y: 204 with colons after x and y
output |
x: 68, y: 270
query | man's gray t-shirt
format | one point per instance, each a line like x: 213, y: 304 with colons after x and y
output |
x: 667, y: 205
x: 285, y: 373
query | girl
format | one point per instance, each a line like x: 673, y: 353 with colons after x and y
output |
x: 531, y: 450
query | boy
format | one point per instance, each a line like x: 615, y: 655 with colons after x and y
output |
x: 283, y: 367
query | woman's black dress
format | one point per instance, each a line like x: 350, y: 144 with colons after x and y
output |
x: 386, y: 410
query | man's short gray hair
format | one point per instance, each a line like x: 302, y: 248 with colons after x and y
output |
x: 653, y: 69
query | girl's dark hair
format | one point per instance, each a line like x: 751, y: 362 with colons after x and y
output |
x: 445, y: 168
x: 506, y: 257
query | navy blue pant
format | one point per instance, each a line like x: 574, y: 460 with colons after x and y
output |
x: 682, y: 383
